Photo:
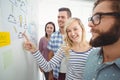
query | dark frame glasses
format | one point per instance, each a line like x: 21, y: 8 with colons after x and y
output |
x: 96, y: 19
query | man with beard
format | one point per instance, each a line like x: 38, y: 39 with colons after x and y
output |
x: 104, y: 62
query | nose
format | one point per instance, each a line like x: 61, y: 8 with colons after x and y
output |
x: 72, y: 33
x: 90, y: 24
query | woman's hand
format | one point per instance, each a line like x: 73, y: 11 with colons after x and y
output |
x: 29, y: 45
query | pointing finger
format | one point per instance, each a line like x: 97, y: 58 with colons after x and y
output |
x: 25, y: 36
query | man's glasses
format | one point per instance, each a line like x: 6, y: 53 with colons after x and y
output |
x: 96, y: 19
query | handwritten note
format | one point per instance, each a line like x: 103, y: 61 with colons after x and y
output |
x: 4, y: 39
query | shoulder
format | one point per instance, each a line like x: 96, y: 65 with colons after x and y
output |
x: 56, y: 33
x: 56, y: 36
x: 93, y: 55
x: 43, y: 38
x: 95, y: 51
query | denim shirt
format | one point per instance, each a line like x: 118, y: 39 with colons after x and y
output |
x: 97, y: 70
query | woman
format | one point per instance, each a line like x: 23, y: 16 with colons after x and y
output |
x: 74, y: 50
x: 49, y: 29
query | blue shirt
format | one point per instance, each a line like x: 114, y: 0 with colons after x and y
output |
x: 97, y: 70
x: 54, y: 44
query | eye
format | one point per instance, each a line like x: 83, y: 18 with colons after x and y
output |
x: 62, y: 17
x: 58, y: 16
x: 47, y: 27
x: 75, y: 28
x: 68, y: 31
x: 96, y: 17
x: 51, y: 27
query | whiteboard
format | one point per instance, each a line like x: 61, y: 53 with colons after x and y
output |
x: 15, y: 62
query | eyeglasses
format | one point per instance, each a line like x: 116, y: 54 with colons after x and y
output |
x: 96, y: 19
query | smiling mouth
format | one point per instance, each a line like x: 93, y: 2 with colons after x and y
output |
x: 74, y: 37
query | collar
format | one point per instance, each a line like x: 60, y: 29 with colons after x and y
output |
x: 117, y: 61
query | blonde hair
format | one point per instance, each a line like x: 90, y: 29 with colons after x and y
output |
x: 68, y: 43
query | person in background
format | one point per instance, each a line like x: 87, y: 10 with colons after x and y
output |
x: 49, y: 29
x: 57, y: 39
x: 74, y: 51
x: 104, y: 63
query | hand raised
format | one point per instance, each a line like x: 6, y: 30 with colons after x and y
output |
x: 28, y: 45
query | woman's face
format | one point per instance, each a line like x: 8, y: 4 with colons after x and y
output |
x: 74, y: 32
x: 49, y: 29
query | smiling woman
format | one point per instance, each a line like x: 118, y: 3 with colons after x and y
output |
x: 74, y: 52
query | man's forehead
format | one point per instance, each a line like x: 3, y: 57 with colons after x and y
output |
x: 62, y: 13
x: 103, y: 7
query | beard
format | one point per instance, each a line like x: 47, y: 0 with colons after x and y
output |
x: 107, y: 38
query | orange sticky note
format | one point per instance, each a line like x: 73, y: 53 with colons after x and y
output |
x: 4, y: 39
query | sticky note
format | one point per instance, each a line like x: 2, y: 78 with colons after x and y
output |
x: 4, y: 39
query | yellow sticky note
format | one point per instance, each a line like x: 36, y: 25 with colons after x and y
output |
x: 4, y: 39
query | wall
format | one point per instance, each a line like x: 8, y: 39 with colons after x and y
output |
x: 16, y: 17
